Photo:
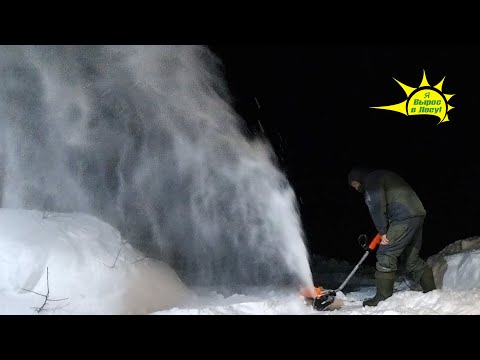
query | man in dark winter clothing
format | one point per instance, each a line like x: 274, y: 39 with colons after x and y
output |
x: 398, y: 215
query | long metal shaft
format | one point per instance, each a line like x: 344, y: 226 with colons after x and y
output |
x: 353, y: 272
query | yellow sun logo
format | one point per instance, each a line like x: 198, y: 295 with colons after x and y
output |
x: 424, y: 100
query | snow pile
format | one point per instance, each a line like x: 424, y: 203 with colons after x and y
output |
x: 406, y: 302
x: 91, y: 270
x: 457, y: 265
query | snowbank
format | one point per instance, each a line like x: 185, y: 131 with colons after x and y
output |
x: 457, y: 265
x: 91, y: 270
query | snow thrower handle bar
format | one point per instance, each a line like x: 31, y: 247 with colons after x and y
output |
x: 362, y: 240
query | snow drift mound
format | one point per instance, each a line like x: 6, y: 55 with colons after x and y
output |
x: 91, y: 270
x: 456, y: 266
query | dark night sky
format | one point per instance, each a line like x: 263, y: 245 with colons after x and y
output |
x: 315, y: 111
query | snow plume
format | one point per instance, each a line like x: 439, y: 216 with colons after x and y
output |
x: 144, y: 138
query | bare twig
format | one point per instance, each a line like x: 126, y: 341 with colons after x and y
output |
x: 145, y: 257
x: 45, y: 296
x: 58, y: 299
x: 32, y: 292
x: 111, y: 267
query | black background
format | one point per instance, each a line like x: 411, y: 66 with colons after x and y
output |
x: 315, y: 104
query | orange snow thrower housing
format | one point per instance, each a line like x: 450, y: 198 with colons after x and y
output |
x: 311, y: 292
x: 321, y: 298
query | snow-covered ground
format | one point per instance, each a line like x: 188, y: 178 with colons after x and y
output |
x: 459, y: 295
x: 91, y: 270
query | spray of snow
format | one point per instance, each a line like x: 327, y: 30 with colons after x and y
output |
x: 144, y: 138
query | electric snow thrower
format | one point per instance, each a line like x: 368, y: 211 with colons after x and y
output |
x: 320, y: 298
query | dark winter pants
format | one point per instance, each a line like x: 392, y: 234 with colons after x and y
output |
x: 405, y: 242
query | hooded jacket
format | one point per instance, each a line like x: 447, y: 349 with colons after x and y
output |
x: 388, y: 196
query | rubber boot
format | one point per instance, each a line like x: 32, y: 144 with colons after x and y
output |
x: 384, y: 282
x: 427, y: 281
